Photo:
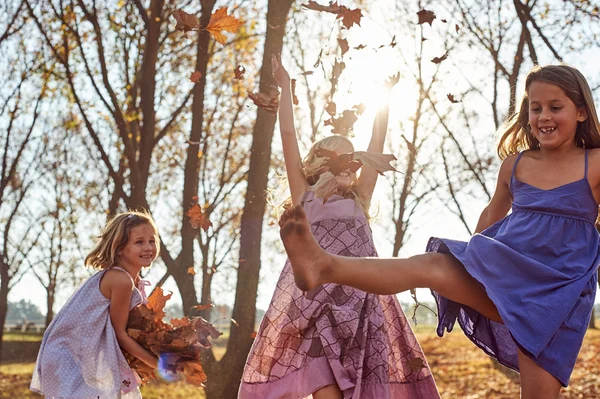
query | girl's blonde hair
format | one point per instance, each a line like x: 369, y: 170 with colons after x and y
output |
x: 312, y: 165
x: 515, y: 134
x: 114, y: 237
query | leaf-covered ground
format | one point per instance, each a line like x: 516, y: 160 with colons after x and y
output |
x: 460, y: 370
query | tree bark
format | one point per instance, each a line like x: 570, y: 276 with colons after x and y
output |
x: 4, y: 288
x: 225, y: 375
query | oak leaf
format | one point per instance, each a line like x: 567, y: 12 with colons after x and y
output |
x: 185, y: 22
x: 220, y: 21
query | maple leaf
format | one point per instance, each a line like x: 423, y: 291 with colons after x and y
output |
x: 333, y: 7
x: 343, y: 45
x: 196, y: 76
x: 437, y: 60
x: 338, y: 163
x: 220, y: 21
x: 239, y: 72
x: 351, y: 17
x: 185, y: 22
x: 452, y: 99
x: 191, y: 270
x: 294, y: 97
x: 198, y: 218
x: 268, y: 101
x: 343, y: 124
x: 157, y: 301
x: 184, y: 321
x: 426, y: 16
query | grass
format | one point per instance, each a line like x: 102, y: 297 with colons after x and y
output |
x: 461, y: 370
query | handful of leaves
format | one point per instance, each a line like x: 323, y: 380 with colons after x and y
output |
x: 178, y: 344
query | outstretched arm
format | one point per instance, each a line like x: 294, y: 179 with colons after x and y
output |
x: 502, y: 199
x: 289, y: 141
x: 368, y: 176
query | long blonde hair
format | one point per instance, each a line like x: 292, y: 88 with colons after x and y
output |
x: 515, y: 134
x: 312, y: 165
x: 115, y: 235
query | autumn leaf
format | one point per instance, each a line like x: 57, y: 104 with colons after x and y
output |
x: 452, y: 99
x: 457, y: 28
x: 437, y: 60
x: 333, y: 7
x: 198, y: 218
x: 338, y: 68
x: 330, y: 108
x: 351, y: 17
x: 220, y: 21
x: 360, y: 47
x: 185, y: 22
x: 253, y: 335
x: 338, y: 163
x: 294, y: 97
x: 191, y: 270
x: 343, y: 124
x: 416, y: 364
x: 343, y: 45
x: 444, y: 21
x: 307, y: 73
x: 360, y: 108
x: 268, y: 101
x: 239, y: 72
x: 196, y: 76
x: 157, y: 301
x: 426, y: 16
x: 184, y: 321
x: 203, y: 307
x: 235, y: 322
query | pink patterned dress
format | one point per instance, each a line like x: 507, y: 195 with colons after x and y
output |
x: 335, y: 334
x: 80, y: 356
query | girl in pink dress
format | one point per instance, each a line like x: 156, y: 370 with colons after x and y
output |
x: 80, y: 356
x: 335, y: 341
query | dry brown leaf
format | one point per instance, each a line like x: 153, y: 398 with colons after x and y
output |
x: 452, y: 99
x: 157, y: 301
x: 203, y: 307
x: 191, y: 271
x: 196, y: 76
x: 268, y: 101
x: 343, y: 124
x: 351, y: 17
x: 220, y: 21
x: 185, y: 22
x: 331, y: 108
x: 437, y: 60
x: 239, y: 72
x: 426, y: 16
x: 344, y: 45
x: 198, y: 218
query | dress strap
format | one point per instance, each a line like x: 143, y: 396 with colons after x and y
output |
x: 516, y: 162
x: 586, y: 164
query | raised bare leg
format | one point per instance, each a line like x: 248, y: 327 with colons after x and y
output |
x: 443, y: 273
x: 536, y: 383
x: 328, y: 392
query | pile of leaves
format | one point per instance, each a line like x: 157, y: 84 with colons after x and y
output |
x: 178, y: 343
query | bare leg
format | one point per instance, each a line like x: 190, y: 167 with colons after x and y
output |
x: 443, y: 273
x: 328, y: 392
x: 536, y: 383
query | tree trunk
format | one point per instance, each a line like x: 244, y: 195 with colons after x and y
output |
x: 50, y: 294
x: 592, y: 325
x: 224, y: 377
x: 4, y: 279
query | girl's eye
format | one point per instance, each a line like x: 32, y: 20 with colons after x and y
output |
x: 556, y: 108
x: 535, y: 109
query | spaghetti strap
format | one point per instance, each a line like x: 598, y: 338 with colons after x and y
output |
x: 516, y: 162
x: 586, y: 165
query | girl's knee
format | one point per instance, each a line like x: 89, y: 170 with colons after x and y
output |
x: 435, y: 269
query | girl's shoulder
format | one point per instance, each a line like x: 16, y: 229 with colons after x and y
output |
x: 115, y: 279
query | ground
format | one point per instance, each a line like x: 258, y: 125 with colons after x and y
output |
x: 460, y: 370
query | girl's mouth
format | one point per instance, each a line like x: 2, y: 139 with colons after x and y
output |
x: 546, y: 129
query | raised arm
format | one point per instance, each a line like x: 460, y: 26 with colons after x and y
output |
x: 289, y: 141
x: 501, y: 200
x: 368, y: 176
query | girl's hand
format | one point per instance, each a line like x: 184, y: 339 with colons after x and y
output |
x: 279, y: 73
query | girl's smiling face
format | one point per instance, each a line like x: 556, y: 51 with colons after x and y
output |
x: 553, y: 117
x: 140, y: 249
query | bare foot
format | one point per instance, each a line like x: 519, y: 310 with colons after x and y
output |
x: 310, y: 262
